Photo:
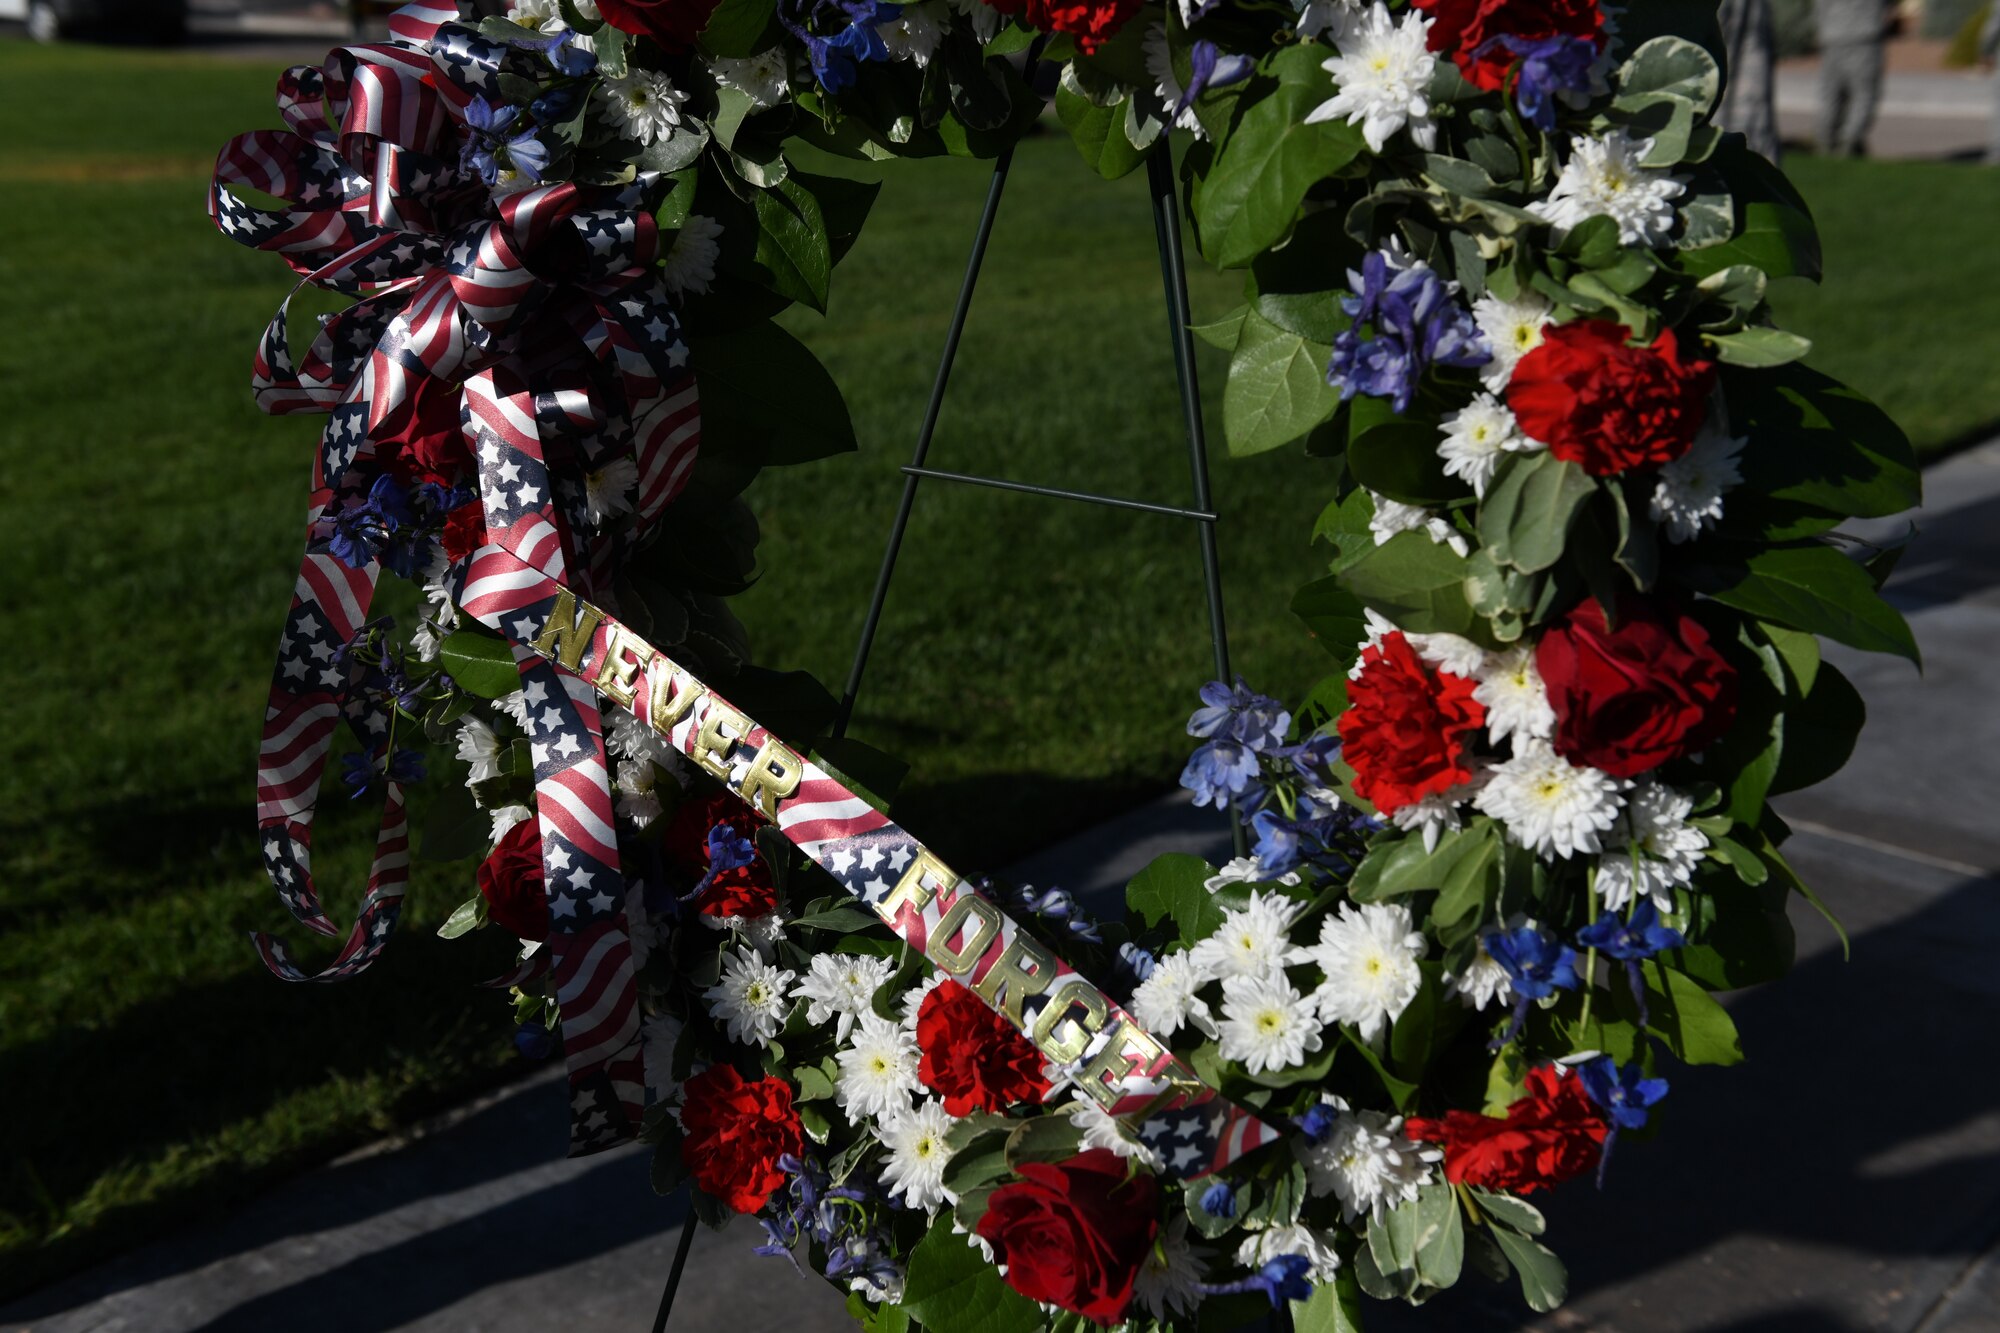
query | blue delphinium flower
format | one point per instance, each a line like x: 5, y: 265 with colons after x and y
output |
x: 1058, y: 906
x: 360, y: 771
x: 1135, y: 963
x: 1631, y: 942
x: 1210, y: 68
x: 1626, y: 1095
x: 1219, y: 1199
x: 1537, y: 966
x: 836, y: 58
x: 728, y: 849
x: 1282, y: 1279
x: 1220, y: 770
x: 1239, y: 713
x: 1548, y: 66
x: 1414, y: 322
x: 1318, y: 1121
x: 533, y: 1041
x: 488, y: 147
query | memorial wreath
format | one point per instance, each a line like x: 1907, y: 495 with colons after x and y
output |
x: 1502, y: 274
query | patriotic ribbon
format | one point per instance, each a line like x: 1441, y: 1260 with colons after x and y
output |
x: 556, y: 378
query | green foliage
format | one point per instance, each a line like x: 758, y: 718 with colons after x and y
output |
x: 480, y: 661
x: 951, y: 1286
x: 1277, y: 389
x: 1173, y: 890
x: 1416, y: 582
x: 1534, y: 501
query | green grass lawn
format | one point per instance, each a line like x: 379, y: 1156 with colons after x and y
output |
x: 1035, y: 664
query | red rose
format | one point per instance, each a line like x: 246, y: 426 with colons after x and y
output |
x: 1408, y: 727
x: 1091, y: 22
x: 1607, y: 406
x: 735, y: 1134
x: 974, y: 1057
x: 674, y: 24
x: 1075, y: 1233
x: 1631, y: 698
x: 464, y: 531
x: 745, y: 891
x: 422, y: 438
x: 1462, y: 28
x: 1551, y: 1134
x: 510, y: 879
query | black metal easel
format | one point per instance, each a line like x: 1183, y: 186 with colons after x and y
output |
x: 1173, y: 279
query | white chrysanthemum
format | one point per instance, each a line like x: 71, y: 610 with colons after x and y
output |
x: 1549, y: 805
x: 763, y: 933
x: 1169, y: 1281
x: 1101, y: 1129
x: 878, y: 1070
x: 1516, y: 701
x: 1261, y: 1247
x: 1688, y: 495
x: 1393, y: 516
x: 1166, y: 82
x: 985, y: 18
x: 1170, y: 998
x: 479, y: 749
x: 1324, y: 18
x: 1513, y: 329
x: 915, y: 33
x: 765, y: 78
x: 1654, y: 850
x: 644, y: 104
x: 516, y: 707
x: 1374, y: 627
x: 690, y: 264
x: 1266, y: 1023
x: 1366, y: 1162
x: 506, y: 816
x: 1244, y: 870
x: 1603, y: 178
x: 638, y: 797
x: 1383, y: 77
x: 1434, y: 816
x: 1369, y: 955
x: 913, y: 999
x: 1475, y: 437
x: 842, y: 986
x: 1482, y: 982
x: 607, y: 490
x: 546, y: 17
x: 1449, y: 652
x: 626, y: 737
x: 918, y: 1154
x: 1250, y: 942
x: 749, y: 1001
x: 640, y: 928
x: 660, y: 1036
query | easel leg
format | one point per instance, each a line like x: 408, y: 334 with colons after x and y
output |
x: 674, y: 1274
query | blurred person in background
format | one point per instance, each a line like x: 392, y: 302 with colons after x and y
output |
x: 1989, y: 56
x: 1749, y: 105
x: 1851, y: 33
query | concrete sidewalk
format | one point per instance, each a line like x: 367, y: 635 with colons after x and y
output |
x: 1846, y: 1178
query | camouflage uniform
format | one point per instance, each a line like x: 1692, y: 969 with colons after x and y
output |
x: 1850, y: 71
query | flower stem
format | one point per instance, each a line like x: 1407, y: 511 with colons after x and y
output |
x: 1590, y: 955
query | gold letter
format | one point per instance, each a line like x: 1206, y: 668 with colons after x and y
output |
x: 663, y: 709
x: 616, y: 672
x: 711, y: 748
x: 566, y: 635
x: 1127, y: 1048
x: 774, y: 774
x: 1007, y: 983
x: 1068, y: 1046
x: 959, y: 961
x: 912, y: 890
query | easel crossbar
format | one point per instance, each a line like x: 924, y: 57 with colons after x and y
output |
x: 1057, y: 493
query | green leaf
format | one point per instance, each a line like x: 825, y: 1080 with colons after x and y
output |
x: 1296, y: 285
x: 1530, y: 508
x: 480, y: 661
x: 1770, y: 226
x: 1741, y: 936
x: 1335, y: 1307
x: 1811, y: 587
x: 1544, y: 1281
x: 1440, y: 1240
x: 1759, y: 347
x: 1416, y: 582
x: 1402, y: 1093
x: 951, y: 1286
x: 468, y: 916
x: 813, y: 1083
x: 1695, y: 1027
x: 1334, y: 615
x: 741, y: 416
x: 1820, y: 731
x: 1820, y: 443
x: 1277, y: 389
x: 736, y: 27
x: 1097, y: 131
x: 792, y: 256
x: 1223, y: 333
x: 1516, y: 1214
x: 1174, y: 888
x: 838, y: 920
x: 1667, y: 67
x: 1395, y: 456
x: 1252, y: 194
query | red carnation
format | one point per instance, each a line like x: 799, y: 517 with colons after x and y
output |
x: 1551, y: 1134
x: 1462, y: 29
x: 745, y: 891
x: 1091, y: 22
x: 422, y: 438
x: 974, y: 1057
x: 1629, y: 698
x: 1599, y: 402
x: 735, y: 1134
x: 1075, y: 1233
x: 464, y: 531
x: 1408, y: 727
x: 674, y: 24
x: 510, y: 879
